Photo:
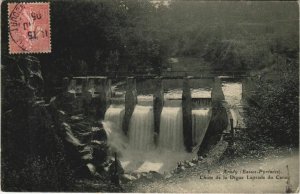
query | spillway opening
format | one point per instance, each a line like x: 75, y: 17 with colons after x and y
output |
x: 112, y: 124
x: 200, y: 121
x: 233, y: 96
x: 171, y: 129
x: 141, y: 128
x: 137, y: 151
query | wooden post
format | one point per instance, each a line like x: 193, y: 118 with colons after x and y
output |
x: 187, y: 115
x: 65, y: 84
x: 85, y: 96
x: 232, y: 135
x: 244, y: 87
x: 103, y: 90
x: 115, y: 175
x: 91, y: 84
x: 130, y: 102
x: 158, y: 102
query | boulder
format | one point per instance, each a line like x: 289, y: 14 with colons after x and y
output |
x: 92, y: 168
x: 195, y: 160
x: 167, y: 175
x: 180, y: 169
x: 156, y: 175
x: 136, y: 175
x: 125, y: 178
x: 113, y: 165
x: 69, y: 136
x: 190, y: 164
x: 76, y: 118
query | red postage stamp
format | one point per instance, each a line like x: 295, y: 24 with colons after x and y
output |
x: 29, y: 28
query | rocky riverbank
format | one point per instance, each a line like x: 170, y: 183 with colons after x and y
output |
x: 202, y: 176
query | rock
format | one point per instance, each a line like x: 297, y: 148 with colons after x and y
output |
x: 92, y: 168
x: 167, y: 176
x: 95, y: 129
x: 149, y: 176
x: 191, y: 164
x: 76, y: 118
x: 195, y: 160
x: 179, y: 169
x: 69, y: 136
x: 113, y: 165
x: 106, y: 169
x: 87, y: 157
x: 156, y: 174
x: 125, y: 178
x: 62, y: 116
x: 136, y: 175
x: 99, y: 134
x: 99, y: 151
x: 96, y: 142
x: 216, y: 152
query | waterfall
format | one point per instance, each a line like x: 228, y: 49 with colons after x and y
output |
x: 171, y: 130
x: 141, y: 128
x: 200, y: 121
x: 233, y: 96
x: 112, y: 124
x: 114, y: 115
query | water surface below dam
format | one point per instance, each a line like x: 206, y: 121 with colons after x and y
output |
x: 142, y: 150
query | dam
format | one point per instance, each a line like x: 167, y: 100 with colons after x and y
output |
x: 151, y: 123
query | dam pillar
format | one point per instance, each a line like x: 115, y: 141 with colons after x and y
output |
x: 90, y: 107
x: 72, y: 85
x: 187, y: 114
x: 85, y: 96
x: 219, y: 118
x: 217, y: 94
x: 65, y: 84
x: 130, y: 102
x: 247, y: 87
x: 102, y: 93
x: 158, y: 102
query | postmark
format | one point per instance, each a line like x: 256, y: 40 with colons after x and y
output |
x: 29, y: 28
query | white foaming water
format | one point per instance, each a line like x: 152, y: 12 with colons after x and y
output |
x: 233, y: 96
x: 171, y: 129
x: 173, y: 94
x: 113, y: 127
x: 233, y: 93
x: 200, y: 121
x: 141, y: 128
x: 173, y: 98
x: 134, y: 160
x: 201, y: 93
x: 138, y: 154
x: 115, y: 115
x: 145, y: 100
x: 155, y: 160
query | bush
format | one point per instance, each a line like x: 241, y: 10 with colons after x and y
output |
x: 33, y: 157
x: 275, y: 111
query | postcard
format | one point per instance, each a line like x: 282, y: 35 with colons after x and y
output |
x: 155, y: 96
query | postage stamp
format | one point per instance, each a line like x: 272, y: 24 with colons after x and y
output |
x: 29, y: 28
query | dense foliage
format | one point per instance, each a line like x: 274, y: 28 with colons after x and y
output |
x: 273, y: 114
x: 97, y: 37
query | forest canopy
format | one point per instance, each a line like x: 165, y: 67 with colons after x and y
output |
x: 97, y: 37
